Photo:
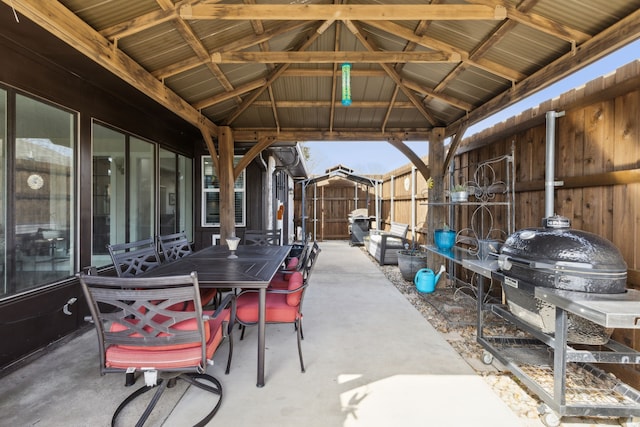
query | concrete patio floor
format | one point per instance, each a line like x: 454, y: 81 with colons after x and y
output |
x: 371, y: 358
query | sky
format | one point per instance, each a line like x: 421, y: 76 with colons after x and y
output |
x: 381, y: 157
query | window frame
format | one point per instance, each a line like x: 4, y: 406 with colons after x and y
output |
x: 240, y: 187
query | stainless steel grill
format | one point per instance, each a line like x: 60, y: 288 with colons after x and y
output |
x: 556, y: 256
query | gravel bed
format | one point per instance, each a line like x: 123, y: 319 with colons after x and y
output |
x: 452, y: 312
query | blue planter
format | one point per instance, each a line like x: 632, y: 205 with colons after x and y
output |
x: 445, y: 239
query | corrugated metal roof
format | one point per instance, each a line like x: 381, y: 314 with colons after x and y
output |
x: 208, y: 62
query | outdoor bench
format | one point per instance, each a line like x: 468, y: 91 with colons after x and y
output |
x: 385, y: 245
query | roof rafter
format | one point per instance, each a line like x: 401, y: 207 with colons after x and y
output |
x: 276, y: 73
x: 315, y: 12
x: 431, y: 43
x: 391, y: 72
x: 240, y: 44
x: 332, y: 56
x: 522, y: 15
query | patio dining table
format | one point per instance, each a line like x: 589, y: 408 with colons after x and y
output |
x: 253, y: 268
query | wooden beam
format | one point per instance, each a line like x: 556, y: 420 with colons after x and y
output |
x: 227, y: 183
x: 201, y: 52
x: 208, y: 140
x: 263, y: 143
x: 240, y: 44
x: 60, y: 22
x: 294, y: 135
x: 453, y: 147
x: 230, y: 94
x: 315, y: 12
x: 413, y: 157
x: 391, y: 106
x: 436, y: 215
x: 334, y: 78
x: 431, y: 43
x: 332, y: 57
x: 539, y: 22
x: 465, y: 106
x: 336, y: 104
x: 138, y: 24
x: 329, y: 72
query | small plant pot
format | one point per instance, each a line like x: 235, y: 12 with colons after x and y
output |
x: 410, y: 262
x: 459, y: 196
x: 444, y: 239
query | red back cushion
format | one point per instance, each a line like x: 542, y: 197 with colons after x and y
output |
x: 292, y: 263
x: 295, y: 282
x: 186, y: 325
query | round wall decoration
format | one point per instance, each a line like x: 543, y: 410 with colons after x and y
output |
x: 35, y: 181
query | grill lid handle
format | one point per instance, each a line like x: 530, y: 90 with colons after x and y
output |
x: 556, y: 222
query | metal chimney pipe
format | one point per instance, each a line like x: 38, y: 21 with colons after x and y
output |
x: 550, y: 163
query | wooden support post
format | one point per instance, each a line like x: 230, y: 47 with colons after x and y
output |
x: 436, y: 215
x: 225, y: 174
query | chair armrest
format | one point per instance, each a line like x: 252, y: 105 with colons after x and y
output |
x: 384, y: 238
x: 287, y: 291
x: 228, y: 302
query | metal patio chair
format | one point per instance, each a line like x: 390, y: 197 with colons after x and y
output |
x: 138, y: 330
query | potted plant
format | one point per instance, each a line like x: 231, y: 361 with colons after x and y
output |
x: 410, y: 261
x: 444, y: 237
x: 459, y: 193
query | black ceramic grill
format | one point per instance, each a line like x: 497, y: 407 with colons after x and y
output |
x: 556, y: 256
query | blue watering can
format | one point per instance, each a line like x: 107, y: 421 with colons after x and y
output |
x: 426, y: 280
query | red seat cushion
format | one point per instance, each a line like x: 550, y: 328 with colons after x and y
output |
x: 166, y: 357
x: 278, y: 311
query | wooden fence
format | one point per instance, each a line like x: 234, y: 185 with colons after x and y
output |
x: 597, y: 162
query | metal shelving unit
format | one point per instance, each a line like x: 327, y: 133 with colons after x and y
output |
x: 567, y: 379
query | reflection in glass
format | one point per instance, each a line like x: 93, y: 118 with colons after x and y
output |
x: 3, y: 192
x: 141, y: 190
x: 44, y: 196
x: 108, y: 191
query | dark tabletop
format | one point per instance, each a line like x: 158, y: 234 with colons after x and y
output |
x: 254, y: 267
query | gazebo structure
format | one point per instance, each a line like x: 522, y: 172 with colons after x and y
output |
x: 157, y: 113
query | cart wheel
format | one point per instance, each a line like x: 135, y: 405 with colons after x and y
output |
x: 487, y: 358
x: 547, y: 416
x: 550, y: 419
x: 629, y: 422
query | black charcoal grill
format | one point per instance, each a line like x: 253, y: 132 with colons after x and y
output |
x: 556, y: 256
x: 359, y: 224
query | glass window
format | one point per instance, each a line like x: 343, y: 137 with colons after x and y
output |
x: 176, y: 184
x: 124, y: 191
x: 141, y: 190
x: 3, y: 191
x: 44, y: 193
x: 185, y: 195
x: 211, y: 194
x: 109, y: 192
